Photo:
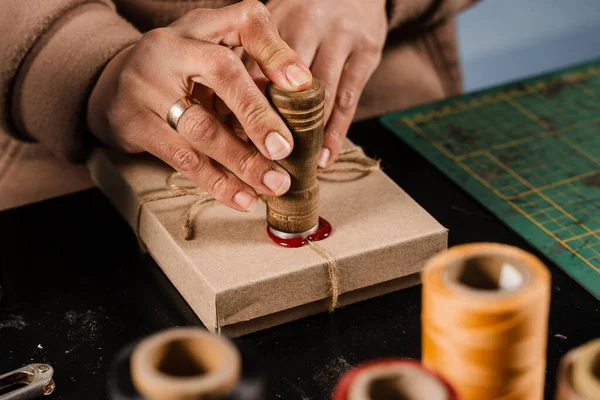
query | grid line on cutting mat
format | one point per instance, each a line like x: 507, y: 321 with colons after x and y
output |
x: 530, y: 152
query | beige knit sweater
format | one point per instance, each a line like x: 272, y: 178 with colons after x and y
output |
x: 52, y: 51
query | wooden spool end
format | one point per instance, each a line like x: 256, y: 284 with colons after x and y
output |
x: 400, y: 380
x: 296, y: 212
x: 585, y: 370
x: 185, y: 363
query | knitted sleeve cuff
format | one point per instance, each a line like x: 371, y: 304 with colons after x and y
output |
x: 58, y: 74
x: 424, y: 12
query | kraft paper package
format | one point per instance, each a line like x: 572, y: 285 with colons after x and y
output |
x: 237, y: 280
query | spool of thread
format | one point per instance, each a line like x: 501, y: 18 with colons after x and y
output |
x: 579, y: 373
x: 485, y: 321
x: 184, y: 363
x: 392, y: 378
x: 295, y: 214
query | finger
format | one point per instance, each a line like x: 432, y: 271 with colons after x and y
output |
x: 304, y: 45
x: 237, y: 128
x: 252, y: 67
x: 204, y: 95
x: 328, y: 65
x: 231, y: 121
x: 306, y: 49
x: 249, y: 24
x: 218, y: 68
x: 168, y: 145
x: 207, y: 134
x: 355, y: 75
x: 220, y: 107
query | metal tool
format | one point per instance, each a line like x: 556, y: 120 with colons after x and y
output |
x: 29, y: 382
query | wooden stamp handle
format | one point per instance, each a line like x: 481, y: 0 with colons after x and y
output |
x: 296, y: 212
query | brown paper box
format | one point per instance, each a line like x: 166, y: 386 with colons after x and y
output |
x: 237, y: 281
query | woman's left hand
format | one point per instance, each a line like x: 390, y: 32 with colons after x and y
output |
x: 342, y: 42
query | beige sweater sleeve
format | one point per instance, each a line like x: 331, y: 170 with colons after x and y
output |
x: 51, y: 53
x: 425, y: 13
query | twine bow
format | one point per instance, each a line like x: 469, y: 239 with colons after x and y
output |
x: 352, y: 164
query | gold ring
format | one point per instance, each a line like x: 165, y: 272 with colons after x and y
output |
x: 179, y: 108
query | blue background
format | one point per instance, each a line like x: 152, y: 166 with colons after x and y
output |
x: 502, y: 40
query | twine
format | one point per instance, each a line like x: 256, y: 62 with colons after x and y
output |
x: 349, y: 161
x: 332, y: 271
x: 352, y: 164
x: 172, y: 192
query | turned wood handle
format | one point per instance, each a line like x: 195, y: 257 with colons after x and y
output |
x: 297, y: 210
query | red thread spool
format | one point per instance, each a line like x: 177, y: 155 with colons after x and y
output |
x: 393, y: 378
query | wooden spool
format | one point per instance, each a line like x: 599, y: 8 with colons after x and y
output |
x: 398, y: 381
x: 579, y: 373
x: 295, y: 214
x: 392, y: 378
x: 185, y: 364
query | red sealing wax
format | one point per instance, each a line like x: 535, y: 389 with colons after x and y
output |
x: 343, y: 386
x: 323, y: 232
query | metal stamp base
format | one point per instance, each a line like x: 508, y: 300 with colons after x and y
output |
x: 286, y: 235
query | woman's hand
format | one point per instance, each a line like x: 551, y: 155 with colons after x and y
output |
x: 342, y: 41
x: 130, y: 101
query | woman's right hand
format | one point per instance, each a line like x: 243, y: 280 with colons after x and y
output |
x: 128, y: 106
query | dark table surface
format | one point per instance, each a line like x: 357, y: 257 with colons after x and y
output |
x: 76, y: 290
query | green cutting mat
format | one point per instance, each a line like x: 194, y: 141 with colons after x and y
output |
x: 530, y: 153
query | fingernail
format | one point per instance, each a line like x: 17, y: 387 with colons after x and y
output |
x: 297, y: 76
x: 277, y: 181
x: 277, y: 146
x: 245, y: 200
x: 324, y: 157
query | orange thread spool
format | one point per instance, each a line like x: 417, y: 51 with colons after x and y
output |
x: 485, y: 321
